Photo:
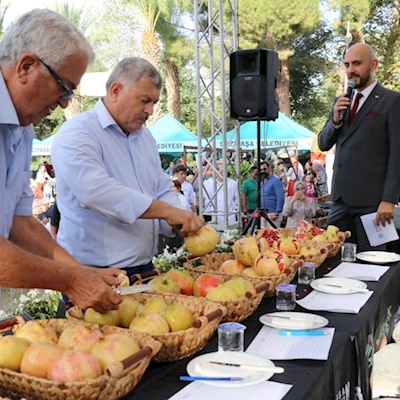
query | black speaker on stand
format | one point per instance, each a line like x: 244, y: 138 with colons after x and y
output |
x: 253, y: 75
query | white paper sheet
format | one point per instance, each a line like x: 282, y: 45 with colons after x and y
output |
x: 270, y: 345
x: 362, y: 272
x: 344, y: 303
x: 378, y: 234
x: 261, y: 391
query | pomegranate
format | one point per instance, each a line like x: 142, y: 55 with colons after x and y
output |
x: 79, y: 338
x: 74, y: 366
x: 12, y: 349
x: 246, y: 250
x: 38, y: 358
x: 113, y: 348
x: 35, y: 332
x: 203, y: 241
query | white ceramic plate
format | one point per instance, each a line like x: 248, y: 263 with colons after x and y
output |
x: 293, y: 320
x: 200, y: 366
x: 378, y: 257
x: 322, y: 285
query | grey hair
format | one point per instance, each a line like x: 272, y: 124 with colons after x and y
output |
x: 132, y: 69
x: 49, y: 35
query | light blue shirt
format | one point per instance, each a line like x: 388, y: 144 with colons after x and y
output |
x: 15, y: 160
x: 105, y: 181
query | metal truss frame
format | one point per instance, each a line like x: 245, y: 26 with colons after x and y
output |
x: 216, y: 39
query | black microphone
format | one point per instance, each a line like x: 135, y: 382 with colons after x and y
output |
x: 351, y: 84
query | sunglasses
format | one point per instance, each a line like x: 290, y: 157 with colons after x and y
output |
x: 69, y: 93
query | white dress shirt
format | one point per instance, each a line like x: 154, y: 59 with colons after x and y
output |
x: 105, y: 181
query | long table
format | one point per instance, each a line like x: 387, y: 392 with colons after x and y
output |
x: 356, y: 338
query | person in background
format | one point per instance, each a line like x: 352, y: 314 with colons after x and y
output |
x: 180, y: 173
x: 170, y: 170
x: 298, y: 206
x: 112, y: 214
x: 272, y: 194
x: 294, y: 173
x: 321, y: 181
x: 212, y: 187
x: 309, y: 182
x: 250, y: 192
x: 177, y: 186
x: 42, y: 59
x: 366, y: 176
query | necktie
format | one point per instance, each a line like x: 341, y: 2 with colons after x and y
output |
x: 353, y: 111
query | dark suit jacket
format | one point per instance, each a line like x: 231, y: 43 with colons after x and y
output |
x: 367, y: 157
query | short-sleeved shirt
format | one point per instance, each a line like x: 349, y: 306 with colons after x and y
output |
x: 250, y: 189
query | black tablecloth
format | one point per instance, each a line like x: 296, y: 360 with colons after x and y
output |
x: 349, y: 360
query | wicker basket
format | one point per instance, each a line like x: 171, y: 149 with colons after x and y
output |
x: 180, y: 344
x: 120, y: 379
x: 268, y: 283
x: 323, y: 248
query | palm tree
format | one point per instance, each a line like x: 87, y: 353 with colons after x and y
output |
x: 82, y: 20
x: 157, y: 17
x: 3, y: 10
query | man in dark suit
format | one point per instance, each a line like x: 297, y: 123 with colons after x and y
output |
x: 366, y: 174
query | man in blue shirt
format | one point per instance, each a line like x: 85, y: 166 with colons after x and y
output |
x: 113, y: 196
x: 42, y: 59
x: 272, y: 194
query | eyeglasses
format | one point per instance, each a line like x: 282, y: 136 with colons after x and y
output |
x: 68, y: 91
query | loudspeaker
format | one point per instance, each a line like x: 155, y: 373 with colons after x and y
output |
x: 253, y: 75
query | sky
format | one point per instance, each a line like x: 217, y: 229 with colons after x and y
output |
x: 19, y: 7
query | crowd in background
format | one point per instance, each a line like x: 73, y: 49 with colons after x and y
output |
x: 287, y: 191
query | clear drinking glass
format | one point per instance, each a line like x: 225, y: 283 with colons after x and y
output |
x: 349, y: 251
x: 306, y: 273
x: 286, y: 296
x: 231, y: 336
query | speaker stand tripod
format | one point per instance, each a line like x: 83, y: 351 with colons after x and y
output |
x: 258, y: 212
x: 255, y: 221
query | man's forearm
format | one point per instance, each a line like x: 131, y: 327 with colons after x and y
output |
x: 30, y: 235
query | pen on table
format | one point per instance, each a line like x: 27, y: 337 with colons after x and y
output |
x: 303, y: 333
x: 210, y: 378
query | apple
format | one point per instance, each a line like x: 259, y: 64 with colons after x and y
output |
x: 38, y: 357
x: 149, y: 323
x: 35, y: 332
x: 12, y: 349
x: 165, y: 284
x: 250, y: 272
x: 127, y: 310
x: 79, y: 337
x: 204, y: 283
x: 241, y: 286
x: 113, y: 348
x: 267, y: 266
x: 232, y: 267
x: 111, y: 317
x: 246, y: 250
x: 203, y: 241
x: 178, y: 317
x: 74, y: 366
x: 153, y: 304
x: 222, y: 293
x: 183, y: 279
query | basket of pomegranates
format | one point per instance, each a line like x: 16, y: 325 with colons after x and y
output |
x: 330, y: 237
x: 182, y: 324
x: 66, y: 359
x: 238, y: 294
x: 255, y: 261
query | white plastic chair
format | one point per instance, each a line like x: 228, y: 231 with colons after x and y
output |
x: 385, y: 377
